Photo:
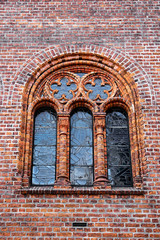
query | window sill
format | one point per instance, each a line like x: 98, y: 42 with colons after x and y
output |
x: 82, y: 191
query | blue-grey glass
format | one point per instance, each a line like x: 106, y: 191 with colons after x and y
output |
x: 117, y: 119
x: 43, y: 175
x: 117, y: 136
x: 81, y: 136
x: 98, y: 89
x: 80, y: 74
x: 44, y: 148
x: 118, y: 148
x: 45, y: 136
x: 45, y: 118
x: 118, y: 155
x: 81, y: 151
x: 81, y: 175
x: 81, y: 156
x: 63, y: 89
x: 120, y: 176
x: 44, y: 152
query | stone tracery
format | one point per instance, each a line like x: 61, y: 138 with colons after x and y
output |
x: 64, y: 86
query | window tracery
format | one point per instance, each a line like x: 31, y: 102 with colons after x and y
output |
x: 66, y: 85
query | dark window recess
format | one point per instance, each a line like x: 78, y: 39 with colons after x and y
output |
x: 44, y: 148
x: 118, y: 148
x: 79, y: 224
x: 81, y: 148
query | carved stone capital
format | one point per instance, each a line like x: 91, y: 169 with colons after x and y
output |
x: 99, y: 124
x: 63, y: 124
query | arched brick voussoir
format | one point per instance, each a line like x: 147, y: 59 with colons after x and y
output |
x: 44, y: 102
x: 53, y: 56
x: 117, y: 102
x: 80, y: 102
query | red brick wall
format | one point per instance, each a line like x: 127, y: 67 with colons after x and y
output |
x: 127, y: 33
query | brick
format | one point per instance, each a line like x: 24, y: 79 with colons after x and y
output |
x: 39, y: 38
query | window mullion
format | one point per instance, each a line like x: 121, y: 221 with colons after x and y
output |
x: 100, y: 169
x: 62, y: 171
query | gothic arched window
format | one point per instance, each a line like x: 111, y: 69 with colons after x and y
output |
x: 81, y: 148
x: 44, y: 147
x: 118, y: 148
x: 81, y: 126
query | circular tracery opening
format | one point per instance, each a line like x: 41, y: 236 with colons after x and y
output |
x: 78, y: 82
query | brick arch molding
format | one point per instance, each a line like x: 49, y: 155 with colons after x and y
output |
x: 42, y: 61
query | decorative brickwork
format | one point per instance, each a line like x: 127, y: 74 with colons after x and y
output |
x: 118, y: 39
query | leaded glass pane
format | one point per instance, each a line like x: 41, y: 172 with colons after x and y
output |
x: 98, y: 88
x: 44, y: 148
x: 63, y: 89
x: 118, y: 148
x: 81, y: 150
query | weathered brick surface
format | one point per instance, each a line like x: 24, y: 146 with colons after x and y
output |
x: 126, y: 36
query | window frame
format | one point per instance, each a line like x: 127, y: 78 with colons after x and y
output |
x: 129, y: 148
x: 32, y: 102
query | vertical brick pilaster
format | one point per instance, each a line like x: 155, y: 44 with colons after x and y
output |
x: 62, y: 166
x: 101, y: 173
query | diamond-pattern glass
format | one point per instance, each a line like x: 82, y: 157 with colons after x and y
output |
x: 118, y: 148
x: 44, y: 149
x: 81, y: 150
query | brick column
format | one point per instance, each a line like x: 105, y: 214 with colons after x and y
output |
x: 100, y: 171
x: 62, y: 166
